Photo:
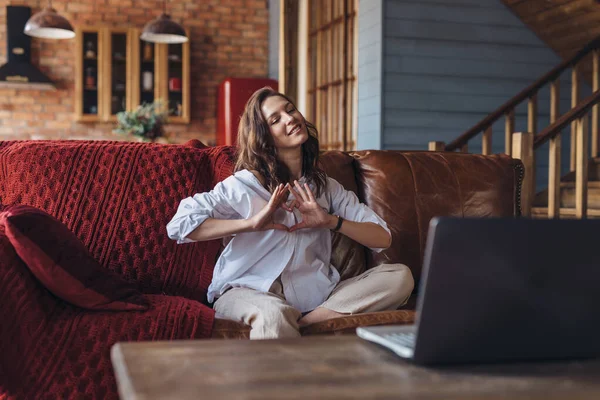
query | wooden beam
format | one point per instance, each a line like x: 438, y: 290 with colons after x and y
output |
x: 436, y: 146
x: 523, y: 150
x: 486, y: 142
x: 595, y: 87
x: 581, y: 171
x: 574, y: 101
x: 509, y: 129
x: 554, y: 155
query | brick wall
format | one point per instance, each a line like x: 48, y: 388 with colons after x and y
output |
x: 227, y: 38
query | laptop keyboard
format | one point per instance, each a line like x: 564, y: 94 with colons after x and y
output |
x: 406, y: 339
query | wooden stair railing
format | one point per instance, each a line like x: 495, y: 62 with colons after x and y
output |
x: 525, y: 144
x: 507, y: 110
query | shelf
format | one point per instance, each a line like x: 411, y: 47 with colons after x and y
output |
x: 119, y: 57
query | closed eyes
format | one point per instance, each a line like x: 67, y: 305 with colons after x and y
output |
x: 290, y: 110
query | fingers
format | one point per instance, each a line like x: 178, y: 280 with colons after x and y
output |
x: 278, y: 195
x: 280, y: 227
x: 301, y: 191
x: 289, y: 207
x: 295, y: 193
x: 309, y: 192
x: 299, y: 225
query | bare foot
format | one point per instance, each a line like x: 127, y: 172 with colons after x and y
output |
x: 317, y: 315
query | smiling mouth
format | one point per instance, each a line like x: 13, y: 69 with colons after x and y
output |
x: 295, y: 130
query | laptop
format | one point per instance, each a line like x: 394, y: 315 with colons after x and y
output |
x: 503, y: 289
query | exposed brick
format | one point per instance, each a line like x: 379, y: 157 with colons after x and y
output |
x: 220, y: 47
x: 79, y: 7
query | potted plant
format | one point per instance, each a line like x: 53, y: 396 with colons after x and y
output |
x: 146, y: 122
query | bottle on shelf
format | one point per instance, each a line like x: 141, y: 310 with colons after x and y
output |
x: 89, y: 50
x: 147, y: 81
x: 147, y: 52
x: 90, y: 78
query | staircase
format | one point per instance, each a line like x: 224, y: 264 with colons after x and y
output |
x: 576, y: 194
x: 567, y: 195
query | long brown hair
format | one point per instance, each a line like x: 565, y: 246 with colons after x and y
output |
x: 256, y: 147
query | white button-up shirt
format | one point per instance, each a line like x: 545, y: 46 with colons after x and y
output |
x: 256, y: 259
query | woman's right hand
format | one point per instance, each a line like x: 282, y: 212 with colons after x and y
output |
x: 264, y: 219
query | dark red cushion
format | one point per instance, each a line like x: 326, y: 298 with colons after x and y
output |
x: 62, y: 263
x: 117, y: 198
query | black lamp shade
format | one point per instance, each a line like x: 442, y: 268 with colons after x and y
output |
x: 164, y: 30
x: 48, y: 24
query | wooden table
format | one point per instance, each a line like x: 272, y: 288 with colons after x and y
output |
x: 342, y: 367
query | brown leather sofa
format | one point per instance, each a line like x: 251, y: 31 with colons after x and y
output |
x: 407, y: 189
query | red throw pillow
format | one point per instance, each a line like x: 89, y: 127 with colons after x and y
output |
x: 62, y: 263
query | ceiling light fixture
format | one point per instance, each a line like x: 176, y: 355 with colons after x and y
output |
x: 164, y: 30
x: 48, y: 24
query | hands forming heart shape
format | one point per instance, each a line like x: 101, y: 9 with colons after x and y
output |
x: 313, y: 215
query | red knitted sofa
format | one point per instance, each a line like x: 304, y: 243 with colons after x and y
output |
x: 117, y: 198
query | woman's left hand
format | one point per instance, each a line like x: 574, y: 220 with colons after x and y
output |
x: 313, y: 215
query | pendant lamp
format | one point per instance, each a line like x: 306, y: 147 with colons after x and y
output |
x: 164, y: 30
x: 48, y: 24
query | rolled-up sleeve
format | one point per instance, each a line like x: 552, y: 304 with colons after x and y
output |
x: 347, y: 205
x: 221, y: 203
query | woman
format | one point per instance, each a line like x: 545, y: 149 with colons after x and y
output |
x: 275, y: 274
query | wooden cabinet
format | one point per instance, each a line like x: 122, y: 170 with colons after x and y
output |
x: 117, y: 71
x: 162, y: 71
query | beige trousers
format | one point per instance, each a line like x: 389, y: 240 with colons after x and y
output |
x: 385, y: 287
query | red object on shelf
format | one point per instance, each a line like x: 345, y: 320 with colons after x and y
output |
x: 233, y: 94
x: 175, y: 84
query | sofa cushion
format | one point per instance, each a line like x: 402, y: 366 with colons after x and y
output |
x: 62, y: 263
x: 407, y: 189
x: 117, y: 197
x: 347, y: 256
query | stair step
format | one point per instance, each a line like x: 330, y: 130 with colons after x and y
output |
x: 591, y: 184
x: 567, y: 195
x: 593, y: 172
x: 567, y: 213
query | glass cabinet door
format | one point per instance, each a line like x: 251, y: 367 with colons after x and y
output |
x: 160, y: 72
x: 117, y: 70
x: 175, y: 80
x: 147, y: 72
x: 176, y: 85
x: 88, y: 82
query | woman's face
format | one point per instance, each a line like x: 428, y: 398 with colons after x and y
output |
x: 286, y: 123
